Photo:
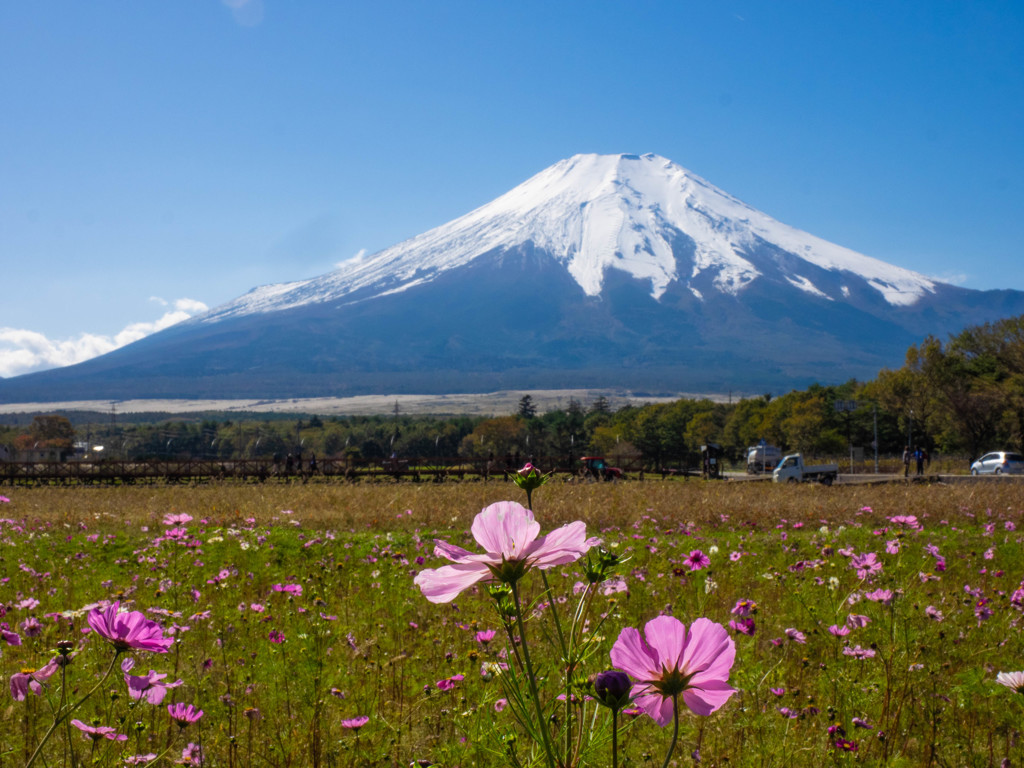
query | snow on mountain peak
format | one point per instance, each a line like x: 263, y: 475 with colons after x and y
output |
x: 593, y: 213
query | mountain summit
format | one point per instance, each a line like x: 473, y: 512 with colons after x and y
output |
x: 602, y: 271
x: 594, y: 213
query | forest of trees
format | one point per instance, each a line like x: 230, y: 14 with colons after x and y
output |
x: 963, y: 396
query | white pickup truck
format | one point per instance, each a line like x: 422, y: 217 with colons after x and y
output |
x: 793, y: 470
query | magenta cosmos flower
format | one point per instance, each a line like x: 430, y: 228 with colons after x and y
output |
x: 130, y: 630
x: 150, y: 687
x: 32, y: 680
x: 97, y: 732
x: 697, y: 560
x: 509, y: 535
x: 667, y: 661
x: 183, y: 714
x: 355, y: 723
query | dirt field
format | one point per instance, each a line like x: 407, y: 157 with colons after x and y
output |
x: 486, y: 404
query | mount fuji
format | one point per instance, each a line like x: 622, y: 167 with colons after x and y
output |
x: 602, y: 271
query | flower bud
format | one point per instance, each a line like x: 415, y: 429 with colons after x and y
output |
x: 612, y: 688
x: 529, y: 478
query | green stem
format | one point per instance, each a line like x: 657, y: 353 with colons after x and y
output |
x: 675, y: 729
x: 530, y: 679
x: 615, y: 737
x: 62, y: 716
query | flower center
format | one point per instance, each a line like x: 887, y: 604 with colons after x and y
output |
x: 672, y: 682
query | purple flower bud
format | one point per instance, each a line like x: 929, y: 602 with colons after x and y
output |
x: 612, y: 688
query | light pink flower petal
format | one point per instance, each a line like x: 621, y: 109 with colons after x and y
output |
x: 505, y: 528
x: 709, y: 654
x: 459, y: 555
x: 563, y: 545
x: 442, y: 585
x: 634, y: 656
x: 709, y: 697
x: 658, y: 707
x: 668, y: 635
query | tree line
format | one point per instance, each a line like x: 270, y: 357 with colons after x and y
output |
x: 964, y: 395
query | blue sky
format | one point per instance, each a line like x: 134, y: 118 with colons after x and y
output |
x: 161, y: 156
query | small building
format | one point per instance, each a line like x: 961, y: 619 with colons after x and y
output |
x: 40, y: 454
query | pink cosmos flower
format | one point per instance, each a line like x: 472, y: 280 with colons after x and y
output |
x: 667, y: 661
x: 1012, y: 680
x: 184, y: 714
x: 173, y: 520
x: 355, y: 723
x: 9, y: 637
x: 98, y: 732
x: 509, y: 536
x: 140, y: 759
x: 697, y: 560
x: 191, y: 755
x: 23, y: 682
x: 744, y: 608
x: 883, y: 596
x: 449, y: 682
x: 129, y: 630
x: 839, y: 631
x: 485, y: 636
x: 866, y: 564
x: 150, y: 687
x: 933, y: 613
x: 796, y: 636
x: 857, y: 621
x: 858, y: 652
x: 744, y: 626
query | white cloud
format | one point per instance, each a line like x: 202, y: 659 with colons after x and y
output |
x: 952, y: 278
x: 23, y: 351
x: 360, y: 255
x: 247, y: 13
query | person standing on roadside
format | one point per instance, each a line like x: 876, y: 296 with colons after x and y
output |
x: 906, y: 461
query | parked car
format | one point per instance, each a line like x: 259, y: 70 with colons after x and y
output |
x: 999, y: 463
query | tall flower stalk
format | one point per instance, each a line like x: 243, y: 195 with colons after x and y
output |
x: 666, y: 665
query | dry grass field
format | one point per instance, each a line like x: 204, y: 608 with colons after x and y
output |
x: 379, y: 506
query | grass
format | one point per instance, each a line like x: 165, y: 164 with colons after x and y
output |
x: 361, y: 640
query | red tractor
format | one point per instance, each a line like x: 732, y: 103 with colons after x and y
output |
x: 597, y: 468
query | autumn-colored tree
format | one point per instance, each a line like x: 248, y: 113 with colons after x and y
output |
x: 47, y: 432
x: 498, y: 436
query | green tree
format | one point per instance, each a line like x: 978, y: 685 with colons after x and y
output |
x: 527, y: 409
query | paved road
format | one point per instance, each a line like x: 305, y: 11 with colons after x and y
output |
x: 869, y: 478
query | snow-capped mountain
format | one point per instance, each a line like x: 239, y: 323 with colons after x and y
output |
x: 602, y: 271
x: 594, y: 213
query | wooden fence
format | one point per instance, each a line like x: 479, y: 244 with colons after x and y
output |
x: 129, y: 472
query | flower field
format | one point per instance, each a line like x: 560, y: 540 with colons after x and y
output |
x: 316, y: 625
